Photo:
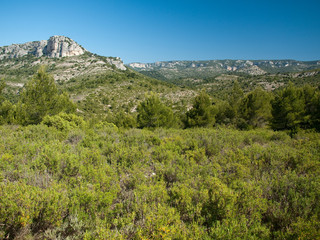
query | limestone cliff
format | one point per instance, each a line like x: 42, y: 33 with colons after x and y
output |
x: 55, y: 47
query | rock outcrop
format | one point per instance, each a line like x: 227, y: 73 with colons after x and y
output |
x: 59, y: 46
x: 117, y: 62
x: 55, y: 47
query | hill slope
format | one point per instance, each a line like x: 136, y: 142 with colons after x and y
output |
x: 218, y: 76
x: 98, y: 84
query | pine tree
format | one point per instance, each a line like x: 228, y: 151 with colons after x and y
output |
x: 7, y: 109
x: 255, y: 108
x: 288, y: 109
x: 40, y: 97
x: 314, y: 110
x: 153, y: 113
x: 2, y: 86
x: 229, y: 110
x: 202, y: 113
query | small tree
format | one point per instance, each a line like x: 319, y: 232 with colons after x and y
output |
x: 202, y: 113
x: 40, y: 97
x: 228, y: 111
x: 124, y: 120
x: 153, y: 113
x: 315, y: 112
x: 7, y: 109
x: 288, y: 109
x: 255, y: 108
x: 2, y: 86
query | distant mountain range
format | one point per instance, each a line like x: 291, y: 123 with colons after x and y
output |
x: 202, y: 69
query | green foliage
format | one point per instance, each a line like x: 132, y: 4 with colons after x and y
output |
x: 97, y: 182
x: 255, y: 108
x: 202, y: 112
x: 7, y: 109
x: 312, y: 107
x: 39, y: 98
x: 2, y: 86
x: 63, y: 121
x: 228, y: 111
x: 153, y: 113
x: 7, y: 112
x: 124, y: 120
x: 288, y: 109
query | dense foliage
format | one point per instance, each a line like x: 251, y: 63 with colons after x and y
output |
x: 202, y: 113
x: 153, y: 113
x: 104, y: 183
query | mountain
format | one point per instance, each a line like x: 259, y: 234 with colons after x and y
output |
x: 56, y: 46
x: 201, y: 69
x: 99, y: 85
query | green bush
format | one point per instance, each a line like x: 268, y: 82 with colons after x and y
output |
x: 64, y: 121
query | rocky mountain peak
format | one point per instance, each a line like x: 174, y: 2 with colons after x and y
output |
x: 55, y: 47
x: 60, y: 46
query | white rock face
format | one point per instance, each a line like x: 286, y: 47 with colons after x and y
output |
x: 60, y: 46
x: 56, y: 46
x: 117, y: 62
x: 137, y: 65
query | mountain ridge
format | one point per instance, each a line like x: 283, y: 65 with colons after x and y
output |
x: 55, y: 46
x: 207, y: 68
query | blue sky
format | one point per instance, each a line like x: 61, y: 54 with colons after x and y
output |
x: 152, y: 30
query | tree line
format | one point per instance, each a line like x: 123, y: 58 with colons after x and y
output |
x: 290, y: 108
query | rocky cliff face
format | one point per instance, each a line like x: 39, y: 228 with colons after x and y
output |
x: 59, y: 46
x: 55, y: 47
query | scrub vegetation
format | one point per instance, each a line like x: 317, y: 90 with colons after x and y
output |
x: 243, y: 166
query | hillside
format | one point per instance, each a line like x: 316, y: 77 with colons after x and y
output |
x: 98, y: 84
x: 218, y: 76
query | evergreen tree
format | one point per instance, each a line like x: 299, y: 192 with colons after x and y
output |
x: 2, y: 86
x: 255, y: 108
x: 310, y: 98
x: 153, y: 113
x: 202, y: 112
x: 124, y: 120
x: 7, y: 109
x: 315, y: 111
x: 236, y: 95
x: 40, y: 98
x: 288, y: 109
x: 228, y: 111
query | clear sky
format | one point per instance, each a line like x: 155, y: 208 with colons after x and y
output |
x: 152, y: 30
